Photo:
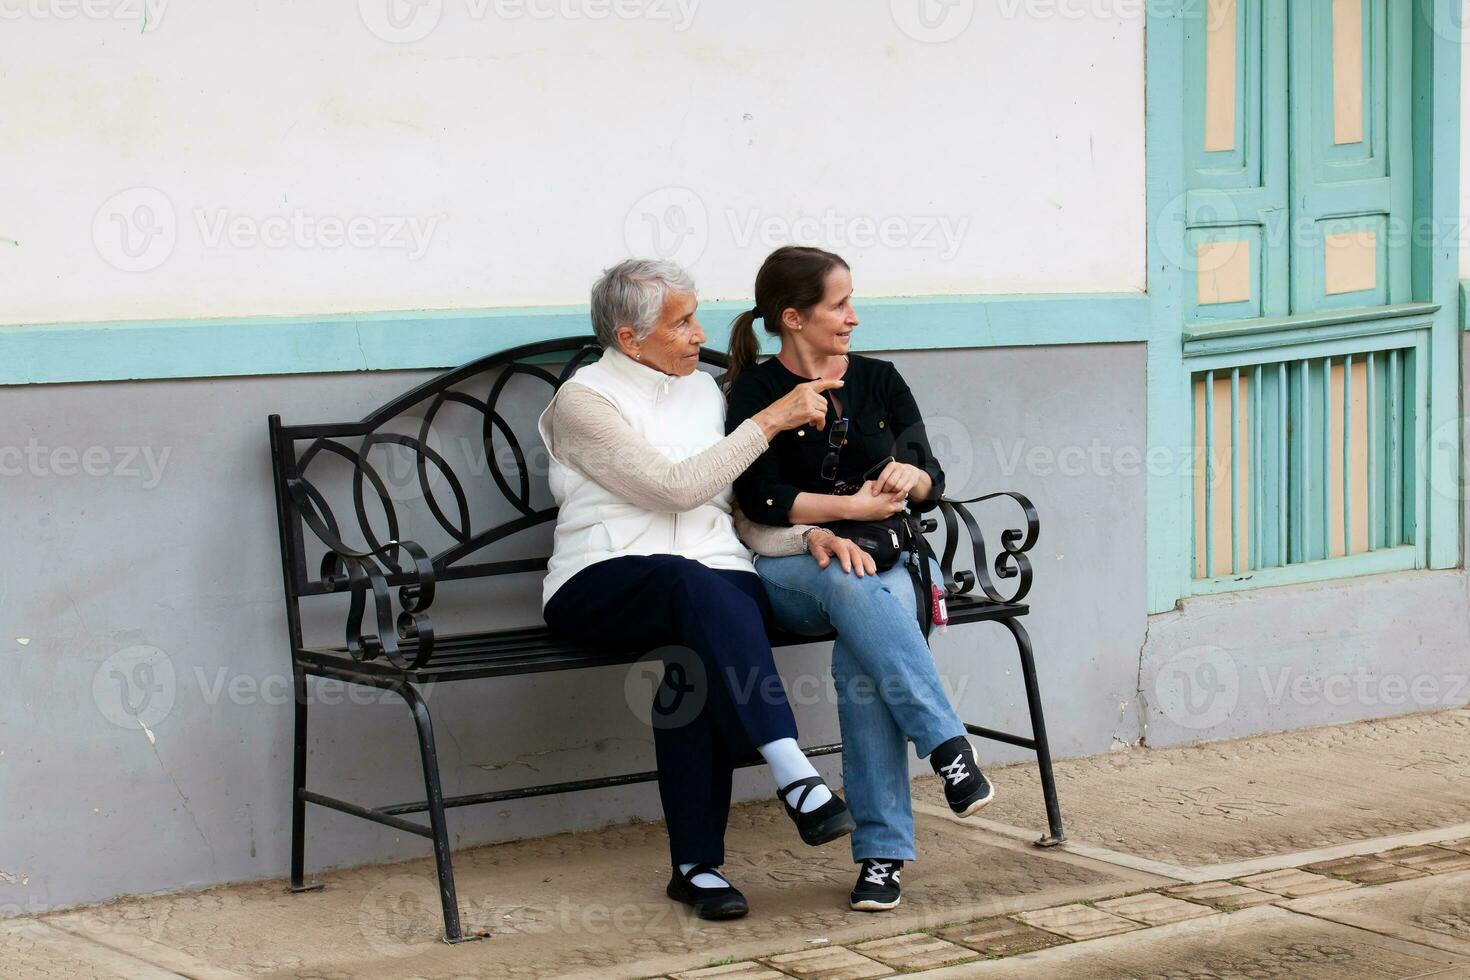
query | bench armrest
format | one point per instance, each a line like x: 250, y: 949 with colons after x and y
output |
x: 361, y: 572
x: 1010, y: 562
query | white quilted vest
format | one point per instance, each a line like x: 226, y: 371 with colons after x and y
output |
x: 681, y: 416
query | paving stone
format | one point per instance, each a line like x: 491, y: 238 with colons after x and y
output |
x: 1222, y: 894
x: 731, y: 971
x: 916, y: 951
x: 1295, y: 883
x: 1433, y: 910
x: 828, y: 963
x: 1001, y: 936
x: 1267, y: 941
x: 1078, y: 921
x: 1154, y: 910
x: 1435, y: 860
x: 1364, y: 869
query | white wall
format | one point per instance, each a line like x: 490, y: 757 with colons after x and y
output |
x: 525, y: 148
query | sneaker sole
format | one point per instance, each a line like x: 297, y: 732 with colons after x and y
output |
x: 977, y: 805
x: 873, y: 905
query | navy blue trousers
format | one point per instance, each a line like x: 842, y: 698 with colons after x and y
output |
x: 720, y: 696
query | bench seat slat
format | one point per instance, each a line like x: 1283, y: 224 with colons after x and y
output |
x: 533, y: 649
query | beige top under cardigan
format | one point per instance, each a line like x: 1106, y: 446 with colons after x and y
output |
x: 590, y: 434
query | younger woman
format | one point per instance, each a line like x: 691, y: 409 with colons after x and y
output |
x: 888, y: 690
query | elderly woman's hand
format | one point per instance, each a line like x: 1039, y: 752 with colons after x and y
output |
x: 824, y: 546
x: 802, y: 405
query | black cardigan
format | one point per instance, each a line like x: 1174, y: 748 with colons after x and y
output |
x: 884, y: 421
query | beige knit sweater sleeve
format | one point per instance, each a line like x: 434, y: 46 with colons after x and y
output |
x: 589, y: 434
x: 767, y: 539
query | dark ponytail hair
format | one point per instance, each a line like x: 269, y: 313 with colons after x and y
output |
x: 792, y: 277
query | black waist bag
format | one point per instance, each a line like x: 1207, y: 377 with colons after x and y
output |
x: 884, y: 540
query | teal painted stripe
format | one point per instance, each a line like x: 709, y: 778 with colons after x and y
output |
x: 1437, y: 125
x: 1170, y: 496
x: 1321, y: 335
x: 120, y: 351
x: 1464, y: 304
x: 1368, y: 563
x: 1195, y: 333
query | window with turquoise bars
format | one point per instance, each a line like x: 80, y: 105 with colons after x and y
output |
x: 1306, y: 459
x: 1309, y: 436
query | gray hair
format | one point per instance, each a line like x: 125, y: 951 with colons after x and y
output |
x: 632, y: 294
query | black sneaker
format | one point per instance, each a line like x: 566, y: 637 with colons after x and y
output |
x: 877, y: 888
x: 708, y: 903
x: 965, y: 786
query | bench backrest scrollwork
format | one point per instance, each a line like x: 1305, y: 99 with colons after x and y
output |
x: 454, y: 465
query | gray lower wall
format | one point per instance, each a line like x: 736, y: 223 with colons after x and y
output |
x: 145, y: 723
x: 145, y: 710
x: 1290, y: 657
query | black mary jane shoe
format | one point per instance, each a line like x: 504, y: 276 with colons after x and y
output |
x: 827, y: 822
x: 708, y: 903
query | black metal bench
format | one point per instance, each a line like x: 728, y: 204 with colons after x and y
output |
x: 403, y: 652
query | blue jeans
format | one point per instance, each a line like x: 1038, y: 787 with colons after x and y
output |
x: 888, y: 689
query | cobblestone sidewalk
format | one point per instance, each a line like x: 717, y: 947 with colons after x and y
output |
x: 1336, y: 852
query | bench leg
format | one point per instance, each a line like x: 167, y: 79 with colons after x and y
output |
x: 298, y: 787
x: 1056, y: 834
x: 453, y: 932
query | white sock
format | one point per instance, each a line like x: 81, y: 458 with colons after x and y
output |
x: 704, y: 879
x: 788, y: 764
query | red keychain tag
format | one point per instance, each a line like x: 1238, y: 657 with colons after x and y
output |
x: 940, y: 608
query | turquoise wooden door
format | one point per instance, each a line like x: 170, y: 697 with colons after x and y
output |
x: 1312, y: 334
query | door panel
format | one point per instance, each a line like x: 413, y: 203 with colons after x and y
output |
x: 1236, y: 202
x: 1351, y: 179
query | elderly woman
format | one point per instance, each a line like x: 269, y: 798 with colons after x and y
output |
x: 646, y: 556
